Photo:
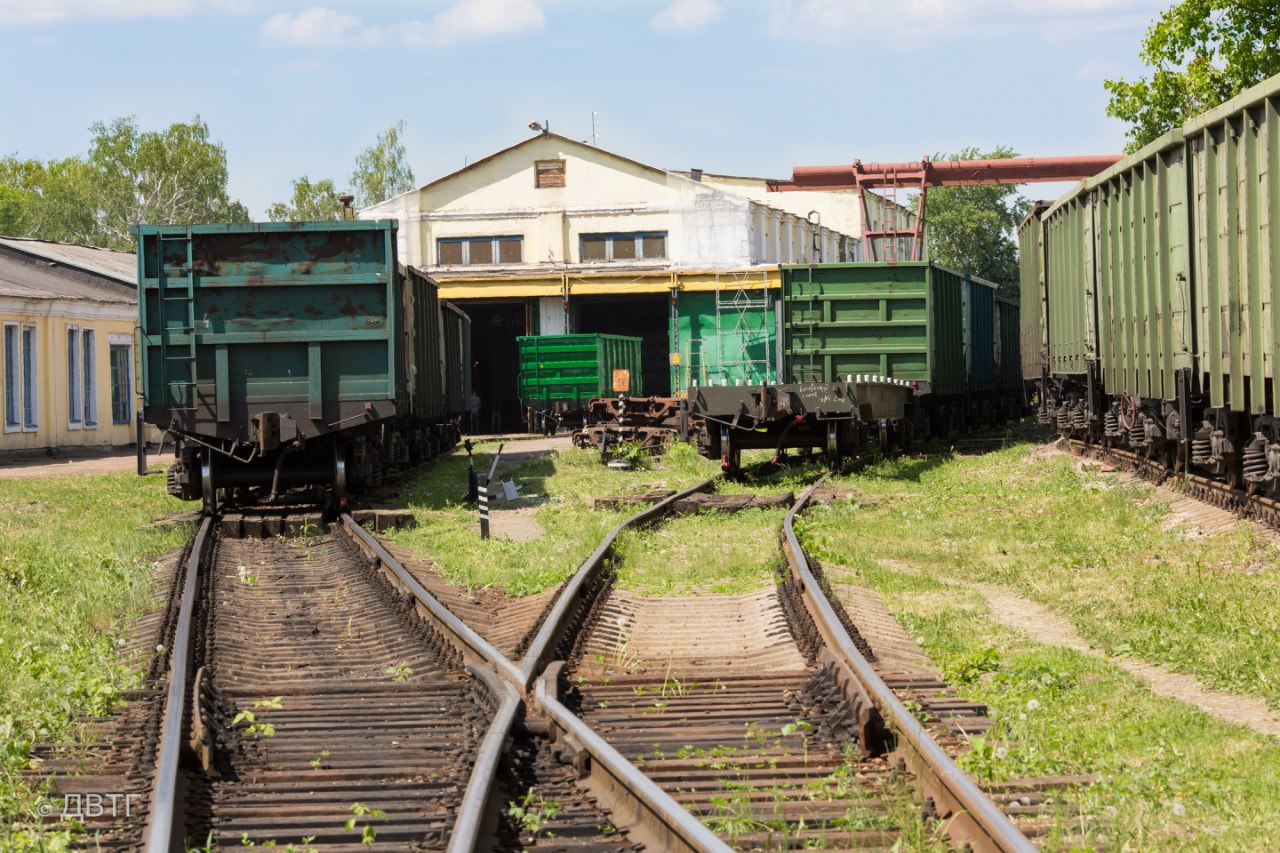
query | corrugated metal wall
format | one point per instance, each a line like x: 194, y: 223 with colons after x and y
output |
x: 1069, y: 268
x: 1032, y: 295
x: 1143, y: 276
x: 1235, y: 163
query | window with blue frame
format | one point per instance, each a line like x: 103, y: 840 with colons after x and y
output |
x: 479, y: 251
x: 21, y: 408
x: 632, y: 246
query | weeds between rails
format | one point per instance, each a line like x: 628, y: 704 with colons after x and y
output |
x: 763, y: 758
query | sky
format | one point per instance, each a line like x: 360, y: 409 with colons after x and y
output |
x: 742, y: 87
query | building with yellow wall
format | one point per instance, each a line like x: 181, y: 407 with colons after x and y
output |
x: 68, y: 365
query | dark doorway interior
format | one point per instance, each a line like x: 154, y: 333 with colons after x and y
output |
x: 495, y: 361
x: 646, y: 317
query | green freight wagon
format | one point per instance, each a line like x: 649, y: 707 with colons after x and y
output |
x: 281, y: 354
x: 915, y: 321
x: 980, y: 334
x: 1008, y: 352
x: 903, y: 321
x: 719, y: 338
x: 1161, y: 285
x: 1031, y: 293
x: 562, y: 373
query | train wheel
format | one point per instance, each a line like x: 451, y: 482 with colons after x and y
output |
x: 833, y: 446
x: 207, y: 491
x: 339, y: 473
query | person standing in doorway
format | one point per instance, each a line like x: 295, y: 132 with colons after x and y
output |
x: 475, y: 412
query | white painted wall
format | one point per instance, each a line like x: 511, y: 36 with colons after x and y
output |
x: 707, y: 226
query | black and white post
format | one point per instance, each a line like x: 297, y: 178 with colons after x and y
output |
x: 484, y: 495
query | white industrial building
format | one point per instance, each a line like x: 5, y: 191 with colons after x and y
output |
x: 550, y: 204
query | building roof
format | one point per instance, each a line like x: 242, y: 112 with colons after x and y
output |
x: 546, y: 134
x: 122, y: 266
x: 40, y: 271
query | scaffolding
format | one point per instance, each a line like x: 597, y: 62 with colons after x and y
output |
x: 743, y: 330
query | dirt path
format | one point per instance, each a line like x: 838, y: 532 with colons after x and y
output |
x: 1047, y: 627
x: 515, y: 520
x: 38, y: 466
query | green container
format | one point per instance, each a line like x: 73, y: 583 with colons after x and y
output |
x: 1008, y: 353
x: 569, y: 370
x: 720, y: 339
x: 304, y: 319
x: 980, y: 333
x: 903, y: 321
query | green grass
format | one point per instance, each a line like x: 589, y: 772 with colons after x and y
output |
x: 446, y: 532
x: 711, y: 552
x: 75, y: 566
x: 1099, y: 555
x: 920, y: 530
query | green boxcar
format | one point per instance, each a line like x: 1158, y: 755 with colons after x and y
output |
x: 718, y: 339
x: 980, y: 333
x: 1008, y: 352
x: 301, y: 319
x: 1141, y: 268
x: 903, y: 321
x: 1069, y: 270
x: 568, y: 370
x: 1031, y: 292
x: 457, y: 362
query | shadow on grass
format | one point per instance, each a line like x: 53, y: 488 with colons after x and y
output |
x: 442, y: 485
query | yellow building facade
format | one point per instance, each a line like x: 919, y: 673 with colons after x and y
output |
x: 68, y: 357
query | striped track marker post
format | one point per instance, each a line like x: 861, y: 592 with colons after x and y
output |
x: 484, y: 495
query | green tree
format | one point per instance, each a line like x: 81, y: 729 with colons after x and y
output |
x: 176, y: 176
x: 311, y: 202
x: 974, y: 229
x: 53, y: 200
x: 382, y: 170
x: 1201, y: 53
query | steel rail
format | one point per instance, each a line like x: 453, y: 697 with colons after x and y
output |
x: 652, y: 816
x: 160, y: 823
x: 557, y: 621
x: 472, y: 647
x: 476, y: 802
x: 973, y: 817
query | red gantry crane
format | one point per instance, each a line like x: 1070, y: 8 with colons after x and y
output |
x: 890, y: 238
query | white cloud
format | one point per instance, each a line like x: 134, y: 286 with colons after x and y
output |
x: 687, y: 15
x: 910, y: 22
x: 475, y: 19
x: 55, y: 11
x: 317, y: 27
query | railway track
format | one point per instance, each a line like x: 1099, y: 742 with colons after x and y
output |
x: 317, y: 696
x: 379, y: 718
x: 761, y: 717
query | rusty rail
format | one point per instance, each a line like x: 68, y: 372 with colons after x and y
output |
x: 164, y: 794
x: 497, y: 674
x: 973, y: 817
x: 472, y: 647
x: 572, y: 597
x: 478, y: 799
x: 656, y: 820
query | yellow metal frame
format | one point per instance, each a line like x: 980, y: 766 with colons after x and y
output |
x: 593, y: 284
